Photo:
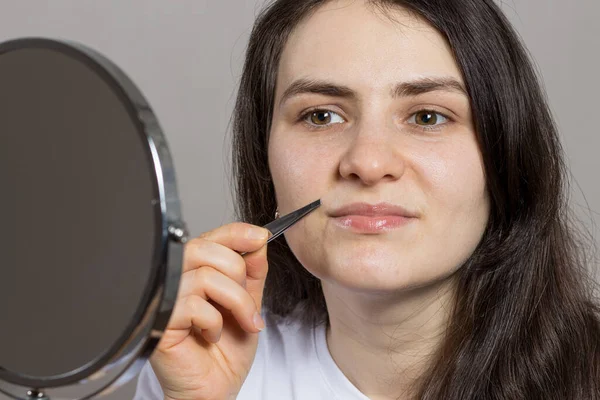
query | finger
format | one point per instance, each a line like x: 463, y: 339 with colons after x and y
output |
x: 208, y: 283
x: 203, y: 252
x: 238, y: 236
x: 257, y: 268
x: 194, y: 312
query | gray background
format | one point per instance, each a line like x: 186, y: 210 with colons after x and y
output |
x: 186, y: 57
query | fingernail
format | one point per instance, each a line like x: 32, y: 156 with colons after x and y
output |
x: 257, y: 234
x: 258, y: 322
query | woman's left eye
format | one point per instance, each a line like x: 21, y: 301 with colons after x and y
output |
x: 427, y: 118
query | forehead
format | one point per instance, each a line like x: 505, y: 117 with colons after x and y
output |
x: 353, y: 43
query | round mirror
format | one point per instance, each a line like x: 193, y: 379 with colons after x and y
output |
x: 93, y: 235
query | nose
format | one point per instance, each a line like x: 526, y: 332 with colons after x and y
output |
x: 372, y: 156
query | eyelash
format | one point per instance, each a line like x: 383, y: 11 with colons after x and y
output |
x: 305, y: 115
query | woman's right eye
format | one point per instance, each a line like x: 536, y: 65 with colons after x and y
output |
x: 322, y: 118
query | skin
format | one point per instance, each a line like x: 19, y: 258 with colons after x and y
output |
x: 390, y: 290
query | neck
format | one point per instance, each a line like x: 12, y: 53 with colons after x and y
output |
x: 395, y: 336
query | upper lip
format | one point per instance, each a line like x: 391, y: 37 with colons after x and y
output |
x: 372, y: 210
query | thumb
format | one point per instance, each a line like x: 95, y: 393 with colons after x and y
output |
x: 257, y: 268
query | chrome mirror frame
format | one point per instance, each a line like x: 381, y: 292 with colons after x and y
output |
x: 135, y: 345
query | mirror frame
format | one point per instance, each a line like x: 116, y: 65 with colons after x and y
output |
x: 140, y: 337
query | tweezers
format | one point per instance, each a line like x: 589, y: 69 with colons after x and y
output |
x: 280, y: 225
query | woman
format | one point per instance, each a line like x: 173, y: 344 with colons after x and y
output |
x: 442, y: 263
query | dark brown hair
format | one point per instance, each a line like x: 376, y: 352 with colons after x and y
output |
x: 525, y: 324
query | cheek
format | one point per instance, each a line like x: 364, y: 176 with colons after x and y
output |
x: 298, y: 176
x: 456, y: 202
x: 453, y: 177
x: 458, y: 207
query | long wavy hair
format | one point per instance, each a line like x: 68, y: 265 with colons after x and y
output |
x: 525, y: 322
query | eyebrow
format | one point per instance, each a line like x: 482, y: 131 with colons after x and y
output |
x: 425, y: 85
x: 404, y: 89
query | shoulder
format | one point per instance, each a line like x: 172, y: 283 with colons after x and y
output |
x: 284, y: 341
x: 285, y: 357
x: 285, y: 332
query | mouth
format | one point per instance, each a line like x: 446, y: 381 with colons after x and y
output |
x: 372, y: 218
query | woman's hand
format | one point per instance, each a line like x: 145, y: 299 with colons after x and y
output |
x: 210, y: 342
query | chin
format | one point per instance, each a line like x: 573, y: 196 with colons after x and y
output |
x: 370, y: 286
x: 365, y: 273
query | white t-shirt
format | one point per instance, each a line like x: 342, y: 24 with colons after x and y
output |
x: 292, y: 363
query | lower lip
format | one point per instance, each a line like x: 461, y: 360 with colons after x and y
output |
x: 371, y: 224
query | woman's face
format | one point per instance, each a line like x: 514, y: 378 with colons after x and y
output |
x: 371, y: 117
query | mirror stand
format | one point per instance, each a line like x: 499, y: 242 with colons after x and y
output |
x: 36, y: 395
x: 32, y: 394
